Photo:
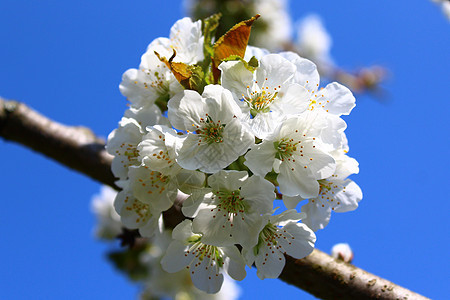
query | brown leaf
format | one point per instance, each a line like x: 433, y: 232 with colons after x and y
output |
x: 234, y: 42
x: 180, y: 70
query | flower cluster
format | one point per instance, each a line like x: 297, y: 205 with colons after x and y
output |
x: 144, y: 258
x: 229, y: 134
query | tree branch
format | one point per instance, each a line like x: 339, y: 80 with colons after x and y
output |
x: 75, y: 147
x: 79, y: 149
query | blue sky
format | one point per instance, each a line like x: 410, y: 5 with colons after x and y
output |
x: 66, y: 58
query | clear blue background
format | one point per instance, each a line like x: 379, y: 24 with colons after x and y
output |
x: 66, y: 58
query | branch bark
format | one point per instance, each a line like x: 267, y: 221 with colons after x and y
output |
x: 78, y: 148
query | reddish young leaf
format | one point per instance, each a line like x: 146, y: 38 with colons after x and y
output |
x: 234, y: 42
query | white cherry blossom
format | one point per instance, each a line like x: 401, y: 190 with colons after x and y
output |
x: 294, y: 151
x: 160, y: 190
x: 337, y: 193
x: 216, y: 137
x: 147, y: 115
x: 109, y: 225
x: 314, y: 41
x: 335, y: 99
x: 205, y: 262
x: 281, y: 235
x: 267, y: 95
x: 158, y: 149
x: 306, y: 73
x: 122, y: 143
x: 161, y: 284
x: 135, y: 214
x: 186, y: 39
x: 232, y: 208
x: 277, y: 21
x: 154, y: 81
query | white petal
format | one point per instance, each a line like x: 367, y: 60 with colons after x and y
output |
x: 294, y: 101
x: 259, y: 193
x: 185, y: 110
x: 220, y: 104
x: 183, y: 231
x: 291, y: 202
x: 174, y: 259
x: 298, y: 240
x: 186, y: 37
x: 246, y: 229
x: 187, y: 154
x: 235, y: 77
x: 317, y: 216
x: 321, y: 164
x: 288, y: 216
x: 260, y: 158
x: 341, y: 99
x: 134, y: 214
x: 205, y: 276
x: 216, y: 156
x: 333, y: 134
x: 189, y: 181
x: 133, y: 86
x: 276, y: 69
x: 154, y: 152
x: 265, y: 124
x: 213, y: 225
x: 249, y: 255
x: 238, y: 138
x: 213, y: 158
x: 306, y: 74
x: 229, y: 180
x: 195, y: 202
x: 234, y: 263
x: 296, y: 180
x: 147, y: 115
x: 342, y: 251
x: 153, y: 188
x: 269, y: 264
x: 151, y: 228
x: 345, y: 166
x: 257, y: 52
x: 348, y: 197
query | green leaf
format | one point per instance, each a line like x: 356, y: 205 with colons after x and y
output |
x: 197, y: 78
x: 253, y: 62
x: 209, y: 27
x: 246, y: 64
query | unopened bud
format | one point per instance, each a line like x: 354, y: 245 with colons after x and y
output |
x: 342, y: 251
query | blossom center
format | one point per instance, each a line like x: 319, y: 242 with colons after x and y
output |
x: 140, y: 209
x: 231, y: 202
x: 156, y: 182
x: 327, y: 192
x: 317, y: 100
x: 130, y: 154
x: 270, y: 236
x: 203, y: 251
x: 285, y: 148
x: 210, y: 132
x: 259, y: 98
